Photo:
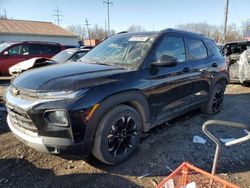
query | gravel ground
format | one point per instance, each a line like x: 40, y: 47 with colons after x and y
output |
x: 160, y: 150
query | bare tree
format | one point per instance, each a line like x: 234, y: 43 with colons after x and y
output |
x: 3, y: 17
x: 97, y: 32
x: 213, y: 31
x: 245, y: 27
x: 135, y: 28
x: 78, y: 30
x: 233, y: 33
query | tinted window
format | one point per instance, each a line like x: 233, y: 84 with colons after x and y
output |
x: 171, y: 46
x: 62, y: 56
x: 51, y: 49
x: 77, y: 56
x: 35, y: 49
x: 212, y: 46
x: 197, y: 49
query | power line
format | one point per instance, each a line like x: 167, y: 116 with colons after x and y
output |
x: 57, y: 14
x: 236, y: 11
x: 108, y: 4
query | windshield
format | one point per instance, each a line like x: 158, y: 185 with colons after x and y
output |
x: 62, y: 56
x: 121, y: 50
x: 4, y: 45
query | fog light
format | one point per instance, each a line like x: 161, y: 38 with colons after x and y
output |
x: 59, y: 117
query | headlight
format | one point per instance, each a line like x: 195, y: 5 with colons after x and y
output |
x: 61, y: 94
x: 57, y: 117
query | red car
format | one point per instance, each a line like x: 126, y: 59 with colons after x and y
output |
x: 12, y: 53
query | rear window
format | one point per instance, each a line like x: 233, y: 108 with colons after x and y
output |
x: 197, y: 49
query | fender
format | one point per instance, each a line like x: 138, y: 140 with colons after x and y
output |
x: 220, y: 77
x: 134, y: 99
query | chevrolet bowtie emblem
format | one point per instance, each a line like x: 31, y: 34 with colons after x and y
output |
x: 15, y: 91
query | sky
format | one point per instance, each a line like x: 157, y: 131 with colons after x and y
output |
x: 150, y: 14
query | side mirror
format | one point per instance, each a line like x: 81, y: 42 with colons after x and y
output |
x: 6, y: 53
x: 166, y: 61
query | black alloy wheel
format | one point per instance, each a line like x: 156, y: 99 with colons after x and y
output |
x: 122, y: 136
x: 117, y: 135
x: 218, y: 100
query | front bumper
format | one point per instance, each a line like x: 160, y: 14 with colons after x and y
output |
x: 46, y: 144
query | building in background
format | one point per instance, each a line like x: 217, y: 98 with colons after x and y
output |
x: 91, y: 42
x: 25, y: 30
x: 247, y: 37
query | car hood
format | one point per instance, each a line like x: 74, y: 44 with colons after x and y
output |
x: 66, y: 77
x: 25, y: 65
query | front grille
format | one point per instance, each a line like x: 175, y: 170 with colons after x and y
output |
x: 23, y: 94
x: 20, y: 118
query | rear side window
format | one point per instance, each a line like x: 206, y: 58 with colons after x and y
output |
x: 197, y: 49
x: 35, y: 49
x: 51, y: 49
x: 212, y: 47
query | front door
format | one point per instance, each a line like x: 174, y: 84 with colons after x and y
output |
x: 171, y: 87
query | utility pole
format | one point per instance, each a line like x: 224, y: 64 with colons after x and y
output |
x: 106, y: 28
x: 108, y: 4
x: 87, y: 25
x: 225, y: 20
x: 5, y: 14
x: 57, y: 14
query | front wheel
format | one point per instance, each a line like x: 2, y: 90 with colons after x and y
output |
x: 117, y: 135
x: 215, y: 102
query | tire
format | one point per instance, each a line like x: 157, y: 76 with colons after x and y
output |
x: 215, y: 101
x: 115, y: 140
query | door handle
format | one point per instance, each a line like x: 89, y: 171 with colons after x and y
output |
x: 186, y: 69
x: 214, y: 65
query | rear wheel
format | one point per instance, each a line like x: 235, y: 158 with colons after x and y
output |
x: 215, y: 102
x: 117, y: 135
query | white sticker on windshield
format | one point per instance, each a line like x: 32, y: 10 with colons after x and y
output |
x: 138, y: 39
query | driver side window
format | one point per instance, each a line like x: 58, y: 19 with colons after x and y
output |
x: 19, y: 50
x: 14, y: 50
x: 172, y: 47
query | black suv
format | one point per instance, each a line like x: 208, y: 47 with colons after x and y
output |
x: 126, y: 85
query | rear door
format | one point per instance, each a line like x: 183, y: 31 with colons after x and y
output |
x: 171, y: 86
x: 50, y: 50
x: 202, y: 65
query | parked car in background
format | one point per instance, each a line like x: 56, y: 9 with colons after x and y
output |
x: 232, y: 51
x: 68, y: 55
x: 126, y: 85
x: 220, y: 46
x: 87, y: 47
x: 12, y: 53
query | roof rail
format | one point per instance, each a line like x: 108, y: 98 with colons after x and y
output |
x: 39, y: 42
x: 122, y: 32
x: 182, y: 31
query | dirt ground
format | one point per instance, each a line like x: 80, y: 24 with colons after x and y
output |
x: 162, y: 149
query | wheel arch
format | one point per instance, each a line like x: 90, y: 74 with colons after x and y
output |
x: 135, y: 99
x: 222, y: 79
